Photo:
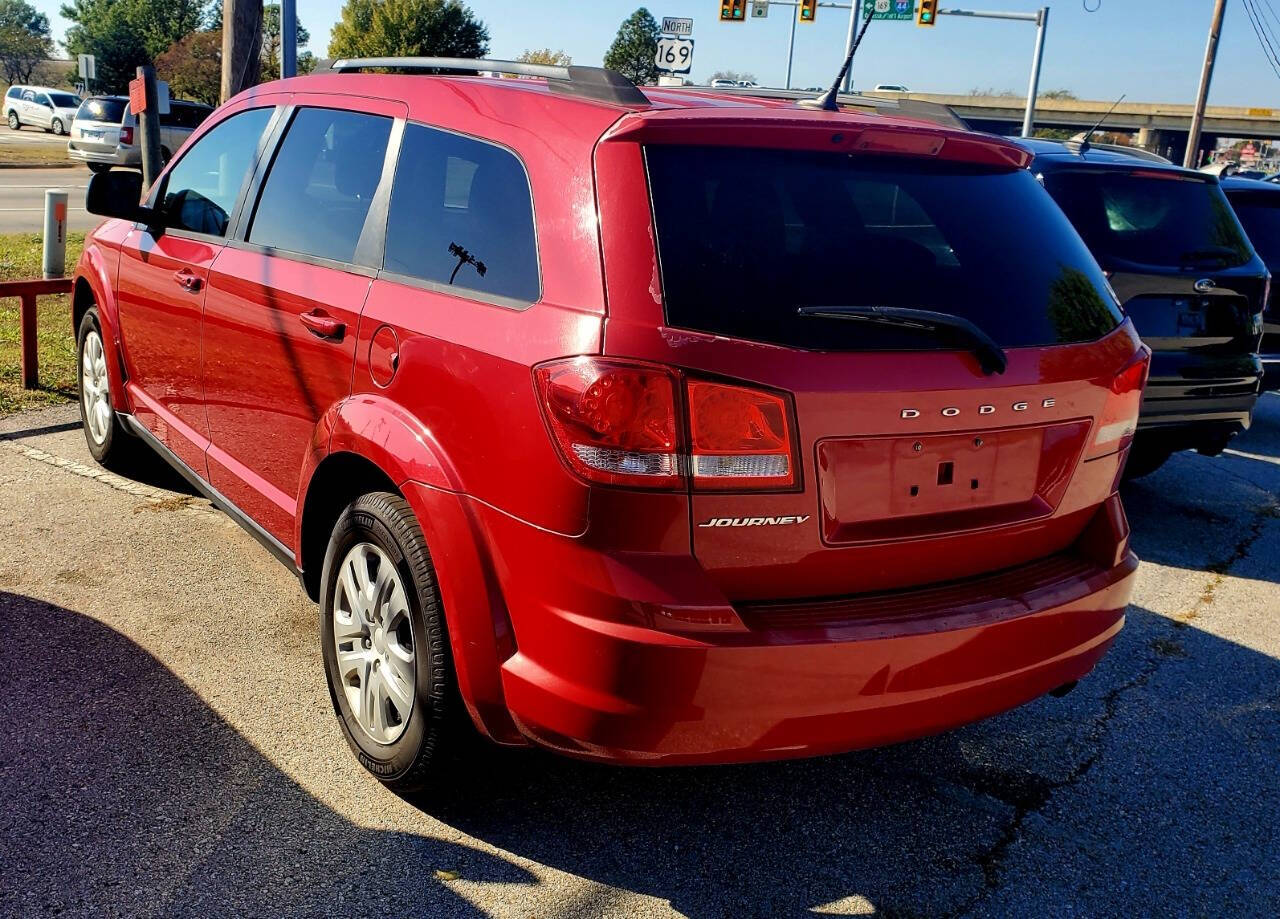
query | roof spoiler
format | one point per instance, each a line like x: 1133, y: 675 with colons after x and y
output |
x: 598, y: 83
x: 910, y: 108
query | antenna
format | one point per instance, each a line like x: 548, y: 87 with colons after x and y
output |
x: 827, y: 101
x: 1084, y: 144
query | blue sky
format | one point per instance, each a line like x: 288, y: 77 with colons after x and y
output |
x: 1149, y: 49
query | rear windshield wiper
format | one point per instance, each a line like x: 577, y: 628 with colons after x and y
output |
x: 991, y: 357
x: 1218, y: 253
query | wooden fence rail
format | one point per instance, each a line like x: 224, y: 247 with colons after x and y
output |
x: 27, y: 291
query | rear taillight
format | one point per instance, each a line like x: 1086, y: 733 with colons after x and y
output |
x: 614, y: 423
x: 1119, y: 417
x: 738, y: 437
x: 625, y: 423
x: 126, y: 136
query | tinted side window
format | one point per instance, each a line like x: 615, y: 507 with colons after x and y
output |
x: 462, y: 215
x: 321, y: 183
x: 201, y: 190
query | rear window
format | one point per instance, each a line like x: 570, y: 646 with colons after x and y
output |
x: 746, y: 237
x: 1260, y: 214
x: 1151, y: 218
x: 108, y: 110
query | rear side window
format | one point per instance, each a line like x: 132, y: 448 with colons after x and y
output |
x: 14, y: 92
x: 462, y: 216
x: 108, y: 110
x: 201, y: 190
x: 1151, y: 217
x: 1260, y: 214
x: 746, y: 237
x: 319, y: 188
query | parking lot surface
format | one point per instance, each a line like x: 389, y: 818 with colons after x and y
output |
x: 169, y: 747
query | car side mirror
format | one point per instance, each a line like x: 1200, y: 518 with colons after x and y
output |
x: 118, y: 193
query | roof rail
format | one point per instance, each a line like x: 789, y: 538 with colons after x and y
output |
x: 597, y: 83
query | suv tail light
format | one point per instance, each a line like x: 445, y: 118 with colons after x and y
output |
x: 126, y: 136
x: 1119, y: 417
x: 739, y: 437
x: 624, y: 423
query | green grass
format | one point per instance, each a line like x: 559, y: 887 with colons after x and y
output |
x: 55, y: 344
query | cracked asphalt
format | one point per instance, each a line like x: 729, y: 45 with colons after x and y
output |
x: 167, y: 746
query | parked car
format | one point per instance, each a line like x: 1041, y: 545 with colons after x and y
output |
x: 105, y: 131
x: 891, y: 88
x: 1257, y: 204
x: 41, y: 107
x: 1186, y: 274
x: 622, y: 423
x: 724, y: 84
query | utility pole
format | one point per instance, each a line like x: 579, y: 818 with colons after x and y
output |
x: 148, y: 115
x: 848, y: 45
x: 1190, y: 160
x: 241, y: 45
x: 1042, y: 23
x: 288, y: 39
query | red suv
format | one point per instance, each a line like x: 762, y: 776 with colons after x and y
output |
x: 651, y: 427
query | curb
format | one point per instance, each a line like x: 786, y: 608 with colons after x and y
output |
x: 62, y: 165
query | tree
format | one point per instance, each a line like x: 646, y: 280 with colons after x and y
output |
x: 193, y: 66
x: 634, y: 48
x: 421, y: 28
x: 24, y: 39
x: 733, y: 75
x: 271, y: 44
x: 123, y: 34
x: 1057, y: 94
x: 545, y: 56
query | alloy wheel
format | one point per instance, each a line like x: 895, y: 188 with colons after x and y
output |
x: 95, y: 392
x: 373, y: 638
x: 14, y: 123
x: 57, y: 127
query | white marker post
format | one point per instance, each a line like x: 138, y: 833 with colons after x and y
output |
x: 53, y: 264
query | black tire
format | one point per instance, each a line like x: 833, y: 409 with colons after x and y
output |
x: 436, y: 726
x: 117, y: 450
x: 57, y: 127
x: 99, y: 168
x: 14, y: 123
x: 1145, y: 459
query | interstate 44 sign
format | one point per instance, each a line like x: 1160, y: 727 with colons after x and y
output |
x: 675, y: 54
x: 890, y: 9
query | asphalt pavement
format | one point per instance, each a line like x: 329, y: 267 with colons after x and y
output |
x: 22, y: 197
x: 167, y: 746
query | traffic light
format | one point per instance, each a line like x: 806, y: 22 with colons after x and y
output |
x: 733, y: 10
x: 806, y: 10
x: 927, y: 13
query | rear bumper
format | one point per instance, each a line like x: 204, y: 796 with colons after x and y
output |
x: 590, y: 683
x: 117, y: 157
x: 1192, y: 401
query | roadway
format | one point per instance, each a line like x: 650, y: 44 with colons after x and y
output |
x: 22, y: 198
x: 169, y: 747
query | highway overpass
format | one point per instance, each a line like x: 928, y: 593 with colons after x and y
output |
x: 1160, y: 126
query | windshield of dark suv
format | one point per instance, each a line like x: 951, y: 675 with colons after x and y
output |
x: 1260, y: 214
x: 747, y: 238
x: 108, y: 110
x: 1151, y: 217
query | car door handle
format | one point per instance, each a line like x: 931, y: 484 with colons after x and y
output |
x: 323, y: 326
x: 188, y: 281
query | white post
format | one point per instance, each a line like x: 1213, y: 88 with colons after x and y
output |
x: 791, y: 45
x: 1042, y: 22
x: 53, y: 263
x: 848, y: 42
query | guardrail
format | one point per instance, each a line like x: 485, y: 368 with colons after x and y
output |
x: 27, y: 291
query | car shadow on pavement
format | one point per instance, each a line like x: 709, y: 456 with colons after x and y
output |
x: 125, y: 793
x: 1137, y: 794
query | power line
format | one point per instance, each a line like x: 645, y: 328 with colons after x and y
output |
x: 1268, y: 49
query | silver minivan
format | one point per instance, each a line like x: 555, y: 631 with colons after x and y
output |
x: 105, y: 131
x: 41, y: 107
